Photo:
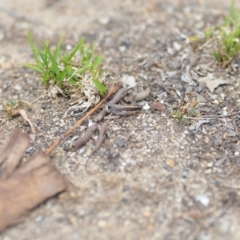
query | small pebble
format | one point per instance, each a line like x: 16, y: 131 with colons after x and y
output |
x: 122, y: 48
x: 68, y: 47
x: 146, y: 106
x: 236, y: 154
x: 30, y: 149
x: 38, y: 218
x: 184, y: 173
x: 17, y: 87
x: 203, y: 199
x: 56, y: 119
x: 102, y: 224
x: 119, y: 142
x: 170, y: 162
x: 104, y: 20
x: 217, y: 142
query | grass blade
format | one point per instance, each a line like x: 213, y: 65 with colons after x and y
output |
x: 33, y: 67
x: 100, y: 87
x: 30, y: 40
x: 57, y: 50
x: 97, y: 61
x: 73, y: 52
x: 84, y: 69
x: 55, y: 68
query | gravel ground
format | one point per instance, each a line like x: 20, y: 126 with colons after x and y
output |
x: 155, y: 177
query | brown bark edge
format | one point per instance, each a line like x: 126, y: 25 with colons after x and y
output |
x: 23, y: 188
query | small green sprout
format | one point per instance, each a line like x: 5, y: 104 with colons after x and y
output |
x: 63, y: 69
x: 177, y: 114
x: 11, y: 108
x: 185, y: 113
x: 208, y: 33
x: 225, y: 37
x: 191, y: 112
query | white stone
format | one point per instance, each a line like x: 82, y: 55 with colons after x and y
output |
x: 203, y: 199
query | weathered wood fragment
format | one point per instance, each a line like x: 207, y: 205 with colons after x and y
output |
x: 24, y: 186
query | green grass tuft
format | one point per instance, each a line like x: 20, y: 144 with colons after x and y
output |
x: 62, y: 69
x: 228, y: 37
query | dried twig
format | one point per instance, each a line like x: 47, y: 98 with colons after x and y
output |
x: 101, y: 138
x: 212, y: 116
x: 80, y: 121
x: 13, y: 110
x: 25, y: 117
x: 83, y: 139
x: 119, y: 95
x: 116, y: 108
x: 121, y: 110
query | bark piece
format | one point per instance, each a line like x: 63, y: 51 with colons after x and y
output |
x: 24, y: 186
x: 12, y: 153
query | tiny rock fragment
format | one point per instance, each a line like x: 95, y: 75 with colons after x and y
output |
x: 177, y: 46
x: 104, y: 20
x: 102, y: 224
x: 170, y: 162
x: 142, y: 95
x: 146, y: 213
x: 146, y: 106
x: 128, y: 81
x: 203, y: 199
x: 17, y: 87
x: 158, y: 106
x: 201, y: 99
x: 184, y: 173
x: 120, y: 142
x: 72, y: 219
x: 231, y: 133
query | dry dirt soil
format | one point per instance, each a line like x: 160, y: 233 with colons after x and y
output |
x: 155, y: 177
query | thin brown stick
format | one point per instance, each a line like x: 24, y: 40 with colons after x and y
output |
x: 25, y: 117
x: 80, y: 121
x: 83, y: 139
x: 213, y: 116
x: 119, y: 95
x: 101, y: 138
